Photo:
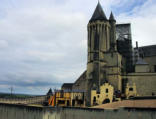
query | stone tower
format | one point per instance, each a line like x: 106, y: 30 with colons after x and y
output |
x: 101, y: 64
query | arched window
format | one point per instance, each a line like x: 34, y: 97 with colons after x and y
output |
x: 106, y: 101
x: 106, y: 90
x: 94, y: 99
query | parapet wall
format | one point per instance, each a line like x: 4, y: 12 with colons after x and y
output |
x: 32, y: 100
x: 9, y: 111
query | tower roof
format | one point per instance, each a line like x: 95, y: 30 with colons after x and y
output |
x: 112, y: 17
x: 98, y: 13
x: 50, y: 92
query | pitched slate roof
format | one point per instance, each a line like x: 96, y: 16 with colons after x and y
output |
x: 67, y: 86
x: 50, y: 92
x: 98, y: 13
x: 148, y: 51
x: 70, y: 91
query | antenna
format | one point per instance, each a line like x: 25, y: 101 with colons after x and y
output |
x: 11, y: 89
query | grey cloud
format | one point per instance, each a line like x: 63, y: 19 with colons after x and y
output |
x: 43, y: 45
x: 143, y: 23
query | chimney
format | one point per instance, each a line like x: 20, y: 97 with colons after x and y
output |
x: 136, y: 44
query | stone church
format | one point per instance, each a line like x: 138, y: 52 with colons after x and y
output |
x: 113, y: 60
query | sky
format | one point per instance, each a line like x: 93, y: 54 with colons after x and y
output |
x: 43, y: 43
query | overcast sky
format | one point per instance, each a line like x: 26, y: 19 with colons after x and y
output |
x: 43, y: 43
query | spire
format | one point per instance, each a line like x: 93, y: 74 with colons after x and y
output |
x: 98, y: 13
x: 112, y: 17
x: 50, y: 92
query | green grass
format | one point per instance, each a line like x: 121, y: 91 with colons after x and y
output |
x: 20, y: 96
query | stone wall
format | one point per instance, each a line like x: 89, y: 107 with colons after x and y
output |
x: 80, y: 83
x: 140, y: 68
x: 8, y: 111
x: 145, y: 83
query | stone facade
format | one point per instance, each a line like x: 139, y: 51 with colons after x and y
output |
x: 112, y: 60
x: 104, y: 62
x: 67, y: 98
x: 130, y: 90
x: 145, y: 83
x: 105, y: 95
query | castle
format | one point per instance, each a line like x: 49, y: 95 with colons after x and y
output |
x: 115, y: 70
